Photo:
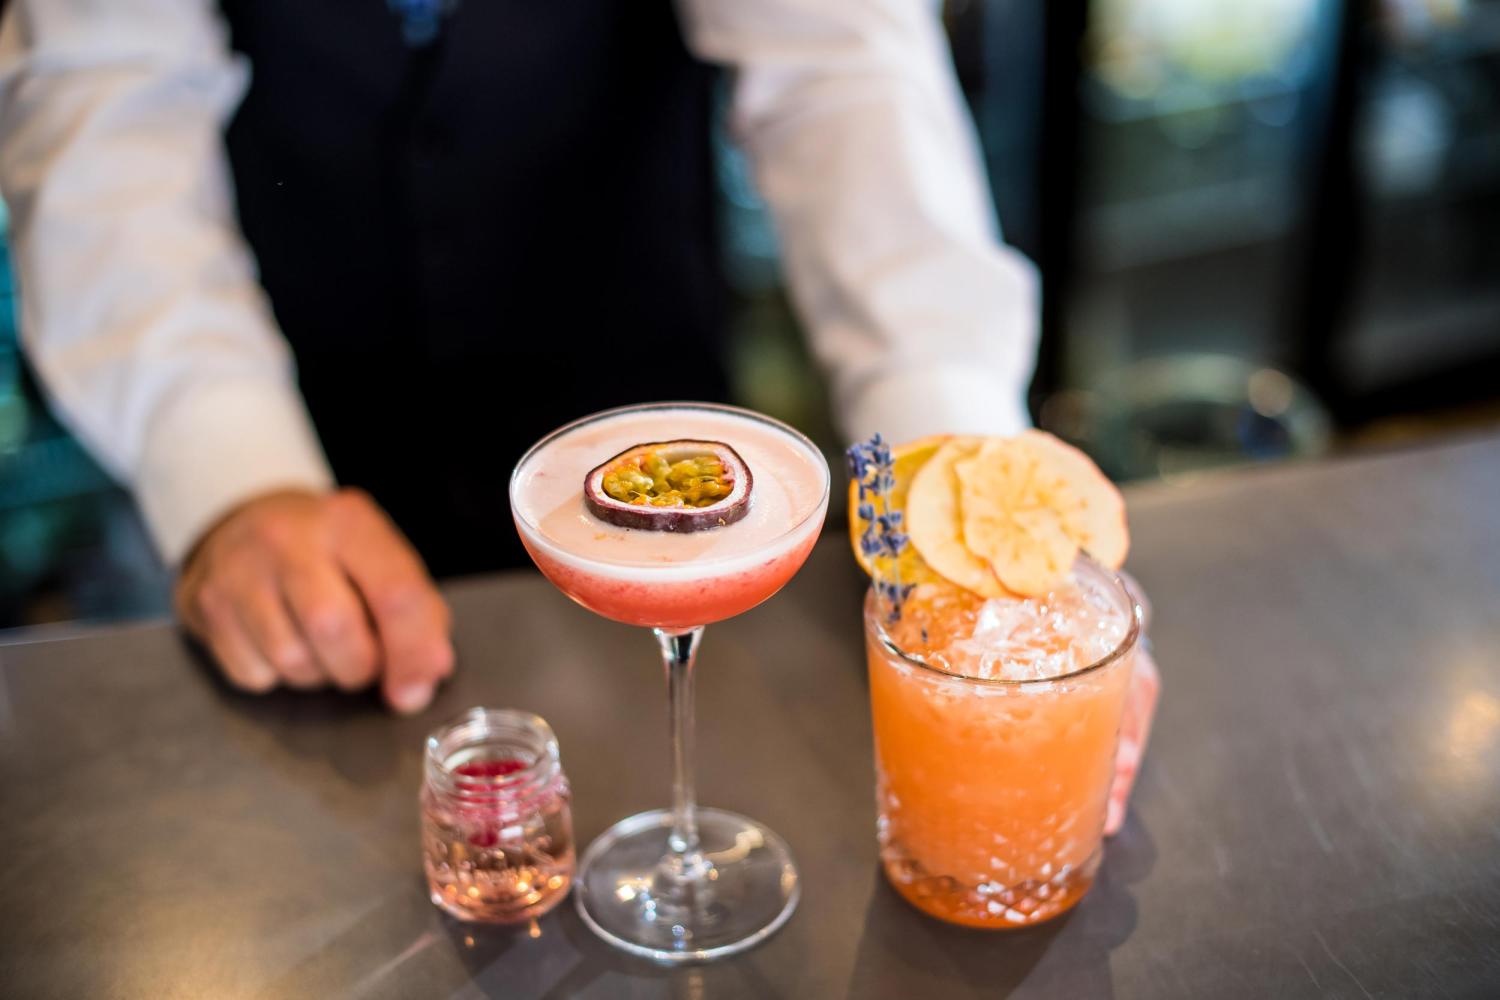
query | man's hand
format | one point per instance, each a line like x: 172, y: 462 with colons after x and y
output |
x: 306, y: 589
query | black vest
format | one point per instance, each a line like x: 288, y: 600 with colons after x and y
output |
x: 470, y: 242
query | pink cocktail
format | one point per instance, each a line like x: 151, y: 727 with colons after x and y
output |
x: 685, y: 884
x: 663, y: 579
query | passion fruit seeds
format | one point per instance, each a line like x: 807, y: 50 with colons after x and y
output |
x: 650, y: 479
x: 670, y: 486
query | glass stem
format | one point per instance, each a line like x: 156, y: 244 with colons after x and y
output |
x: 678, y: 649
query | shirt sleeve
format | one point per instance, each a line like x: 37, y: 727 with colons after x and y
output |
x: 851, y: 115
x: 140, y: 307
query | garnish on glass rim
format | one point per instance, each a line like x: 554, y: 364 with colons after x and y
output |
x: 677, y: 486
x: 883, y: 541
x: 995, y: 516
x: 1004, y: 516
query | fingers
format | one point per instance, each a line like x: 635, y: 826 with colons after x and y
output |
x: 1135, y: 731
x: 303, y: 588
x: 411, y: 618
x: 219, y: 627
x: 331, y: 616
x: 278, y: 641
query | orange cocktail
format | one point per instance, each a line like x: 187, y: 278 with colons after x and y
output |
x: 996, y: 724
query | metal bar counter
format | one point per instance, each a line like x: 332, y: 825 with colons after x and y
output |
x: 1318, y: 814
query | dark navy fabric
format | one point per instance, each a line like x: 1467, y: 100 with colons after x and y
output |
x: 470, y: 241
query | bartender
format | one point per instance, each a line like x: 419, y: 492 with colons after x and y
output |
x: 309, y: 277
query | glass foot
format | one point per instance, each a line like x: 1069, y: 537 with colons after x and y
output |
x: 744, y: 891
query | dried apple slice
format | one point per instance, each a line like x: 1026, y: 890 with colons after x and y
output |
x: 1009, y: 520
x: 676, y: 486
x: 934, y: 524
x: 1028, y: 503
x: 1093, y: 509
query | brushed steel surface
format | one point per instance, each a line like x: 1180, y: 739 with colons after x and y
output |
x: 1319, y: 813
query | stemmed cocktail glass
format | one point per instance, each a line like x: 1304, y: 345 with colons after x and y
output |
x: 684, y: 883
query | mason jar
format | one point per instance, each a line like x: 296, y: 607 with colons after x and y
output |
x: 497, y: 829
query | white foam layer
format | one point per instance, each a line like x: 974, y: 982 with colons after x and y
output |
x: 789, y: 493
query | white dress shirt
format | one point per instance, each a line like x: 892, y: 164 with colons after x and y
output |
x: 142, y: 313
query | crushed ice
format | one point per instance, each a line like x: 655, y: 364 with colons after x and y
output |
x: 1040, y: 638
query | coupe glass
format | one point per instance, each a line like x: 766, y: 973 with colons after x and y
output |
x: 686, y: 883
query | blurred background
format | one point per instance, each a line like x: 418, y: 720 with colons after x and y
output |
x: 1266, y: 230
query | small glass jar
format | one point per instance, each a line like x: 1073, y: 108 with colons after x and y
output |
x: 497, y: 830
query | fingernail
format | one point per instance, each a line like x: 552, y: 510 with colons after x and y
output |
x: 410, y: 697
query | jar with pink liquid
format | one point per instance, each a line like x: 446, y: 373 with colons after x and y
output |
x: 497, y: 830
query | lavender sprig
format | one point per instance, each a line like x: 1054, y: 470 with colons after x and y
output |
x: 883, y: 541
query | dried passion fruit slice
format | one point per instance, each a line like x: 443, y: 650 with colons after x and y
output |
x: 670, y: 486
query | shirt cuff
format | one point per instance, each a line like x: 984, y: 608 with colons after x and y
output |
x: 906, y: 405
x: 216, y: 446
